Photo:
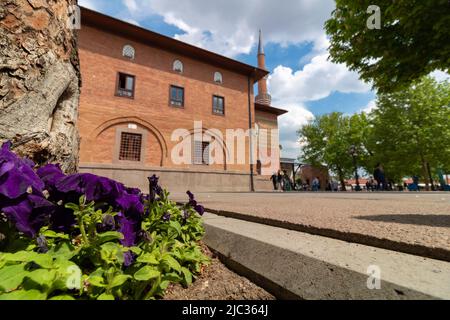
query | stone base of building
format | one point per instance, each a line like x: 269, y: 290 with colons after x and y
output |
x: 172, y: 179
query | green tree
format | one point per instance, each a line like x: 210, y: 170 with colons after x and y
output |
x: 327, y: 141
x: 412, y: 41
x: 410, y: 131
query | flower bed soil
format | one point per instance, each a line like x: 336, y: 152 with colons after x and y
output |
x: 217, y: 282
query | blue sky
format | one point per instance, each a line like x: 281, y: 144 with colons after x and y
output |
x: 302, y: 79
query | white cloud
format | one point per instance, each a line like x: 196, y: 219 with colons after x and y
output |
x: 371, y: 106
x: 132, y: 21
x: 90, y: 4
x: 316, y: 81
x: 229, y: 27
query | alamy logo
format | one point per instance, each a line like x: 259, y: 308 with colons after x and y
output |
x: 374, y: 21
x: 74, y: 278
x: 74, y: 18
x: 374, y: 280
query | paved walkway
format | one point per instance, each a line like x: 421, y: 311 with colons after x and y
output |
x: 408, y: 222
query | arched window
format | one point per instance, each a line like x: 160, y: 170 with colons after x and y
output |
x: 178, y: 66
x: 218, y: 78
x: 129, y: 52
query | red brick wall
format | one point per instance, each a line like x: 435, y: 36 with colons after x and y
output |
x: 102, y: 113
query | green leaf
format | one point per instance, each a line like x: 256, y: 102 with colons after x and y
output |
x: 146, y: 273
x: 109, y: 236
x: 42, y: 277
x: 11, y: 277
x: 97, y: 281
x: 55, y: 235
x: 106, y: 297
x: 148, y: 258
x: 187, y: 275
x: 172, y: 277
x: 176, y: 225
x: 169, y: 261
x: 24, y: 295
x: 119, y: 280
x: 135, y: 250
x: 64, y: 297
x: 74, y: 207
x: 111, y: 252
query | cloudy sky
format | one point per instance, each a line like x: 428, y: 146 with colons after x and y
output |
x: 302, y: 79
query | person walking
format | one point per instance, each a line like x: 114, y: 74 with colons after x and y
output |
x: 316, y: 184
x: 280, y: 180
x: 380, y: 178
x: 274, y: 179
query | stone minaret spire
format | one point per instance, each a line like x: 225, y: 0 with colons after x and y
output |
x: 263, y: 95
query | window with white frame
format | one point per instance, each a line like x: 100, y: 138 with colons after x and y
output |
x: 178, y: 66
x: 218, y: 78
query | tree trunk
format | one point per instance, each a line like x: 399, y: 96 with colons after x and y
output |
x: 39, y: 80
x: 425, y: 172
x: 342, y: 180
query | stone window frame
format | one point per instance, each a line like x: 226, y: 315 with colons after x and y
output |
x: 218, y: 77
x: 174, y: 66
x: 118, y: 140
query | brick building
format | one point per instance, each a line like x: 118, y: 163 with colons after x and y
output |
x: 138, y: 87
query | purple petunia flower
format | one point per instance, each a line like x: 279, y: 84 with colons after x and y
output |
x: 128, y: 258
x: 51, y: 174
x: 29, y: 213
x: 127, y: 228
x: 108, y: 224
x: 131, y: 206
x: 193, y: 203
x: 155, y: 189
x: 42, y: 244
x: 16, y: 175
x: 166, y: 217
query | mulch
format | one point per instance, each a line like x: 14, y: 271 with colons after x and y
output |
x: 217, y: 282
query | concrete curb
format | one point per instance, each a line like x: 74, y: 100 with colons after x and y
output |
x: 295, y: 265
x: 415, y: 249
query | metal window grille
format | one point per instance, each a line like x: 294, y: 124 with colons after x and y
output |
x: 201, y: 153
x: 130, y: 147
x: 129, y: 52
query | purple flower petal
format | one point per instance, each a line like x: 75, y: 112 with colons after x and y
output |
x: 127, y: 228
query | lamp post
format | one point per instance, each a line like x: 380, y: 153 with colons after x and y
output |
x: 353, y: 152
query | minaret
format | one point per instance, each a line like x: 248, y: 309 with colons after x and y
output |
x: 263, y: 96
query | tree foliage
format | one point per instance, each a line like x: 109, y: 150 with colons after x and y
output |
x: 327, y: 141
x: 411, y: 129
x: 408, y: 133
x: 412, y: 42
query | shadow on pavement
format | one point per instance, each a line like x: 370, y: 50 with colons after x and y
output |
x: 415, y: 219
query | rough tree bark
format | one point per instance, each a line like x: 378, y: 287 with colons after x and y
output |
x: 39, y: 80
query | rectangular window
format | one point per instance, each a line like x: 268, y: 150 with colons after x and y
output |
x: 201, y: 153
x: 125, y: 85
x: 130, y: 147
x: 177, y: 96
x: 218, y: 105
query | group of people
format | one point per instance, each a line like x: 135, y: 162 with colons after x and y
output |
x: 281, y: 181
